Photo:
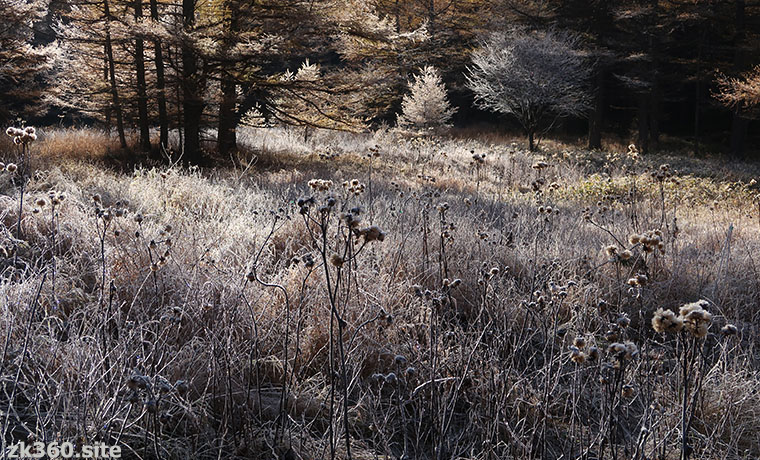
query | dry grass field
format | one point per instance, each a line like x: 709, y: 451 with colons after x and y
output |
x: 380, y: 297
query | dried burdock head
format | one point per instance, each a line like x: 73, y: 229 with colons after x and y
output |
x: 666, y: 321
x: 11, y: 132
x: 623, y: 320
x: 40, y: 202
x: 729, y: 329
x: 138, y: 218
x: 625, y: 255
x: 11, y: 168
x: 627, y: 391
x: 602, y: 306
x: 417, y: 289
x: 634, y: 238
x: 250, y: 277
x: 611, y: 250
x: 96, y: 198
x: 580, y: 342
x: 443, y: 207
x: 154, y: 267
x: 539, y: 165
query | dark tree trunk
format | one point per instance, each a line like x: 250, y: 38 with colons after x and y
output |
x: 226, y: 130
x: 654, y: 116
x: 596, y: 119
x: 531, y: 141
x: 112, y: 77
x: 142, y: 95
x: 163, y: 117
x: 192, y: 91
x: 643, y: 122
x: 227, y: 134
x: 739, y: 123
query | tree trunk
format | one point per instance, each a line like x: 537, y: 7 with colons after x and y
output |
x: 643, y: 121
x: 596, y: 119
x: 142, y: 96
x: 112, y: 77
x: 739, y: 123
x: 531, y: 141
x: 163, y: 117
x: 192, y: 91
x: 226, y: 130
x: 227, y: 134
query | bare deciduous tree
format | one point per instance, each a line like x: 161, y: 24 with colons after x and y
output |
x: 534, y: 76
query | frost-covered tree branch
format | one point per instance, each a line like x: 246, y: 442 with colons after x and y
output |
x: 533, y: 76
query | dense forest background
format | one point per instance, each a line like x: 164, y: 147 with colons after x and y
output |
x: 662, y: 70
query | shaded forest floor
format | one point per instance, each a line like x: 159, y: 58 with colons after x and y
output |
x: 441, y: 298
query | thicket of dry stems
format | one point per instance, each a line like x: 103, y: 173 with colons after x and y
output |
x: 375, y: 297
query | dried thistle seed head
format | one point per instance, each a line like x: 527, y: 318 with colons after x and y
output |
x: 729, y: 329
x: 627, y: 391
x: 36, y: 211
x: 372, y: 233
x: 579, y: 342
x: 40, y: 202
x: 336, y: 260
x: 400, y: 360
x: 695, y: 318
x: 456, y: 283
x: 410, y: 372
x: 625, y: 255
x: 11, y: 167
x: 138, y: 218
x: 250, y: 277
x: 593, y: 353
x: 151, y: 406
x: 391, y: 378
x: 611, y: 250
x: 634, y: 238
x: 154, y: 267
x: 666, y: 321
x: 182, y: 387
x: 623, y: 320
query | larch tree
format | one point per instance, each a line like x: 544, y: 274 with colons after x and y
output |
x: 534, y: 77
x: 426, y: 108
x: 22, y: 65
